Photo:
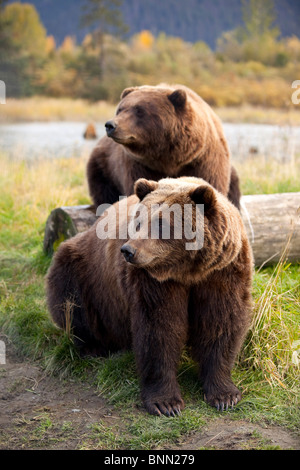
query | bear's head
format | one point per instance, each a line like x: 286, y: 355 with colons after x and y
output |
x: 156, y: 125
x: 182, y: 229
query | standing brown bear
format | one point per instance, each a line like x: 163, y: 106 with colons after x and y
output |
x: 162, y: 294
x: 160, y: 131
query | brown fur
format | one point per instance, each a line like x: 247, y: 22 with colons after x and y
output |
x: 162, y: 131
x: 165, y: 297
x: 90, y: 132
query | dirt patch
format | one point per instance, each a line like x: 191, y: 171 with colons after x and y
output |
x: 42, y: 412
x: 224, y: 434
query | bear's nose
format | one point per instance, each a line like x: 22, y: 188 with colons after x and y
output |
x: 128, y: 252
x: 110, y: 127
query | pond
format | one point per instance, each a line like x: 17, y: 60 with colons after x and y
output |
x: 65, y: 139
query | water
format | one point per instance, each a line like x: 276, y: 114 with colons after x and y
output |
x: 271, y: 141
x: 65, y: 139
x: 46, y: 139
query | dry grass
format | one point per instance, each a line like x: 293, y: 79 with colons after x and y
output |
x: 260, y: 115
x: 66, y: 109
x: 273, y: 344
x: 54, y: 109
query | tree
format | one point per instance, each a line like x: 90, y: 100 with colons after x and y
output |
x: 105, y: 16
x: 260, y: 35
x: 5, y: 40
x: 257, y: 40
x: 11, y: 67
x: 144, y: 40
x: 23, y: 47
x: 50, y: 44
x: 68, y: 45
x: 259, y: 18
x: 26, y: 30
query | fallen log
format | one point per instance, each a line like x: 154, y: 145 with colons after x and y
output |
x: 65, y: 222
x: 271, y: 221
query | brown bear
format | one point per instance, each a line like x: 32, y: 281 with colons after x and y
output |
x: 161, y: 294
x: 90, y: 132
x: 160, y: 131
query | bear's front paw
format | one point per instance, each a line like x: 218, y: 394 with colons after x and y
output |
x: 166, y: 406
x: 223, y: 398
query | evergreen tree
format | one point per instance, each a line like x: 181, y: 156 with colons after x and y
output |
x: 105, y: 17
x: 259, y: 17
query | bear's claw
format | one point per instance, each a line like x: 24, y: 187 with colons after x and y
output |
x: 222, y: 401
x: 165, y: 408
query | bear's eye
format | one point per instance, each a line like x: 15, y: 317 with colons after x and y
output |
x: 139, y: 111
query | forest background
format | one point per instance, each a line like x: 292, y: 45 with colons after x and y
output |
x: 251, y: 64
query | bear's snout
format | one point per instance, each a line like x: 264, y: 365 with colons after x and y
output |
x: 110, y: 127
x: 128, y: 252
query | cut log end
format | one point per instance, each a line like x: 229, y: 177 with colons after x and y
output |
x: 64, y: 223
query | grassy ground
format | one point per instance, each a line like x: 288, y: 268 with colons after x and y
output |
x: 267, y: 370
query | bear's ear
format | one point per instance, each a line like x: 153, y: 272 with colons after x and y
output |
x: 178, y: 99
x: 204, y: 195
x: 127, y: 91
x: 143, y: 187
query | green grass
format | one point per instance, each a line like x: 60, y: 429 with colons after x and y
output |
x: 266, y: 371
x: 263, y: 176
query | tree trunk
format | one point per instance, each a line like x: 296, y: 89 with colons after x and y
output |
x: 271, y: 221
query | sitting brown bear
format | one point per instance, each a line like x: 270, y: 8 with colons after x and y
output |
x: 160, y: 131
x: 162, y: 294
